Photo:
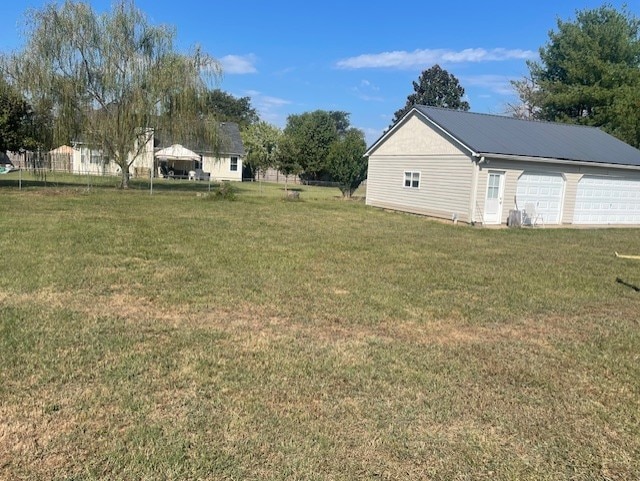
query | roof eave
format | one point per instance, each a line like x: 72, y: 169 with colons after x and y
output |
x: 223, y: 154
x: 550, y: 160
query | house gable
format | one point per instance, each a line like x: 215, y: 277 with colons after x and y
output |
x: 417, y: 168
x: 414, y: 136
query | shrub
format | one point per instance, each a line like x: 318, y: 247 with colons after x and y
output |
x: 226, y: 191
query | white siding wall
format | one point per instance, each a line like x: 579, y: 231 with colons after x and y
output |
x: 445, y: 173
x: 144, y: 163
x: 220, y: 168
x: 82, y: 163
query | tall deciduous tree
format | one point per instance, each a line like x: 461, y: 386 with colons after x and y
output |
x: 346, y: 162
x: 15, y: 119
x: 528, y: 105
x: 287, y: 158
x: 227, y: 108
x: 110, y: 77
x: 588, y: 72
x: 437, y: 88
x: 310, y: 135
x: 261, y: 145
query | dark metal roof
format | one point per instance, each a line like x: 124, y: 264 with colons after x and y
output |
x: 231, y: 139
x: 488, y: 134
x: 4, y: 159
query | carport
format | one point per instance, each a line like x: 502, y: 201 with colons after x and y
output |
x: 177, y: 160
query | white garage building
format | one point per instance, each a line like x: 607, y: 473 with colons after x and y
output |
x: 477, y: 168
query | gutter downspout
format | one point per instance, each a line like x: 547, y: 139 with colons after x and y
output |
x: 474, y: 188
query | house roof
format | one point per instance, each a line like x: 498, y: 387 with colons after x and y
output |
x: 63, y: 149
x: 231, y: 139
x: 494, y: 135
x: 4, y: 159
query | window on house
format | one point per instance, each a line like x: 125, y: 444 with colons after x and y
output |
x: 96, y: 157
x: 493, y: 188
x: 234, y: 164
x: 412, y: 179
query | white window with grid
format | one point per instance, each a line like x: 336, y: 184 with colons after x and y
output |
x: 412, y: 179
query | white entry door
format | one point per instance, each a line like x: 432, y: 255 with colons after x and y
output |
x: 495, y: 197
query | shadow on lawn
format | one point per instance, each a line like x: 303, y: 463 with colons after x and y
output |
x: 627, y: 284
x: 13, y: 182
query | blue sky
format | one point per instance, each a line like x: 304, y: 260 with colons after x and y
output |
x: 359, y: 57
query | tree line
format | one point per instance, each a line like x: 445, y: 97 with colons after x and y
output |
x: 318, y: 146
x: 107, y: 78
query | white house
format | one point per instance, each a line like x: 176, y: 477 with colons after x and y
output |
x: 225, y: 164
x: 228, y: 163
x: 480, y: 168
x: 92, y: 161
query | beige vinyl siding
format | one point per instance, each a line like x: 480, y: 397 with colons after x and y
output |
x: 445, y: 173
x: 414, y: 137
x: 83, y: 165
x: 220, y: 167
x: 445, y: 185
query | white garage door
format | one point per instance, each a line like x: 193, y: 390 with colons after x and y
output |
x: 544, y: 192
x: 607, y: 200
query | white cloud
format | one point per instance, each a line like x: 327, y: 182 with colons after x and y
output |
x: 367, y: 91
x: 401, y: 59
x: 268, y: 107
x: 238, y: 64
x: 273, y: 101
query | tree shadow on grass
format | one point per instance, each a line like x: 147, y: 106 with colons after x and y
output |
x: 16, y: 184
x: 186, y: 186
x: 13, y: 182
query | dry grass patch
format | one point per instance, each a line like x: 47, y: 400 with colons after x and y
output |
x: 268, y: 340
x: 273, y: 395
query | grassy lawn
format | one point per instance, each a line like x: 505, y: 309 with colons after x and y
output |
x: 173, y: 336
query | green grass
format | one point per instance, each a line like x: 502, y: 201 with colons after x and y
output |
x: 169, y: 336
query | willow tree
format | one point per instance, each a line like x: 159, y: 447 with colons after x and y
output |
x: 109, y: 78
